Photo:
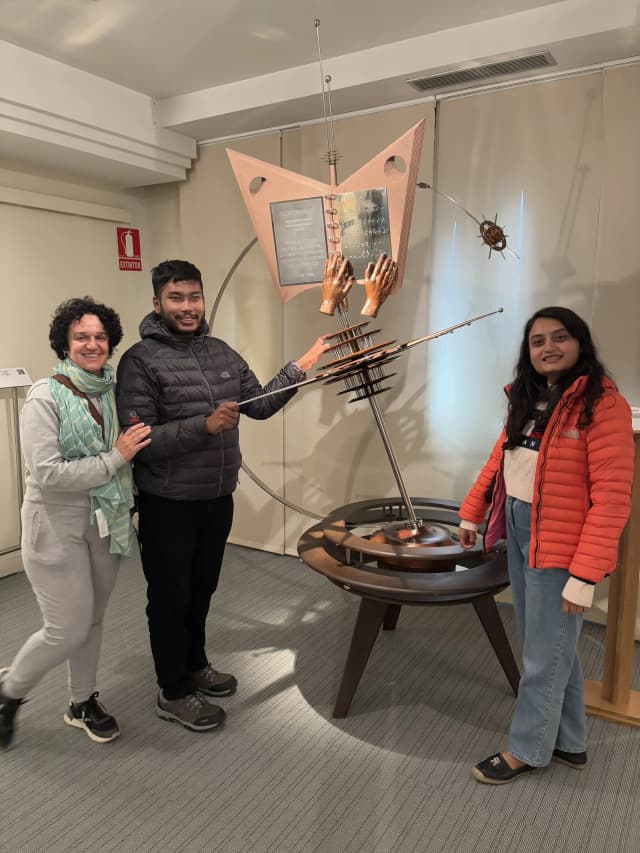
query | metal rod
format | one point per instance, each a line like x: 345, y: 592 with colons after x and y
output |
x: 384, y: 435
x: 446, y: 331
x: 423, y: 185
x: 310, y: 381
x: 261, y: 484
x: 333, y: 150
x: 316, y: 24
x: 375, y: 408
x: 362, y: 362
x: 227, y: 279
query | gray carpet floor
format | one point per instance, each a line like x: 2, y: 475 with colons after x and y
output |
x: 283, y: 776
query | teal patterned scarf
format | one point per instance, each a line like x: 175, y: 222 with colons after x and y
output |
x: 81, y: 436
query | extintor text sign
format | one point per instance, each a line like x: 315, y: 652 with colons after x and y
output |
x: 129, y: 257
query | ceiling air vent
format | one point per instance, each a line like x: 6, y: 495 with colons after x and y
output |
x: 483, y: 72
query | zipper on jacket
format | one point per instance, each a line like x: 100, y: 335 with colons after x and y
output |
x: 202, y: 373
x: 213, y: 405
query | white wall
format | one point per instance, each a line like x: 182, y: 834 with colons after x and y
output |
x: 48, y: 257
x: 555, y: 161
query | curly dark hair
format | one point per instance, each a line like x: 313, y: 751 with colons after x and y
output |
x: 74, y: 309
x: 530, y: 388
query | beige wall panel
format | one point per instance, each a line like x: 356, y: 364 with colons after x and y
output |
x: 534, y: 154
x: 617, y: 292
x: 157, y: 213
x: 215, y: 229
x: 333, y: 450
x: 56, y: 257
x: 616, y: 316
x: 48, y: 257
x: 558, y: 161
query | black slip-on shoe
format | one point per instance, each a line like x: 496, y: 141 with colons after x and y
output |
x: 8, y: 710
x: 495, y: 771
x: 577, y: 760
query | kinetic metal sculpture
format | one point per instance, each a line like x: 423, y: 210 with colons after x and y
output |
x: 391, y: 551
x: 306, y: 230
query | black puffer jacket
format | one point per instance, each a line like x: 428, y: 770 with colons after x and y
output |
x: 172, y: 384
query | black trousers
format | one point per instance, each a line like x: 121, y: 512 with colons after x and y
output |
x: 182, y: 544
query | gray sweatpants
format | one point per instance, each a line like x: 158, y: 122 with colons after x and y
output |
x: 72, y: 574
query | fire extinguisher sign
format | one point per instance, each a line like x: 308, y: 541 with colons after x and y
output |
x: 129, y: 257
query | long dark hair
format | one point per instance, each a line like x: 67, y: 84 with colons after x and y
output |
x: 530, y: 388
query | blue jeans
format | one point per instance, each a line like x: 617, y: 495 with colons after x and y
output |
x: 549, y: 711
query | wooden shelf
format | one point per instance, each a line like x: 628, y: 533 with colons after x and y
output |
x: 612, y: 698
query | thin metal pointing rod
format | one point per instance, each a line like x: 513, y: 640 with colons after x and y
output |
x: 363, y: 363
x: 384, y: 435
x: 386, y: 440
x: 365, y: 360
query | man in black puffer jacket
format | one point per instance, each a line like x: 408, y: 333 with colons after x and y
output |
x: 186, y: 386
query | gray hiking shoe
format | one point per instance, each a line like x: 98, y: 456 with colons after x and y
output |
x: 192, y: 711
x: 210, y: 682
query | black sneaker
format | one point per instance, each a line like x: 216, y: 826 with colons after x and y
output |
x: 210, y: 682
x: 8, y: 710
x: 92, y: 716
x: 192, y: 711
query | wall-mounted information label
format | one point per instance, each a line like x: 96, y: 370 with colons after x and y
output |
x: 14, y: 377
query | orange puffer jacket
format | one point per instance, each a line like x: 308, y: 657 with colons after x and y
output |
x: 582, y: 492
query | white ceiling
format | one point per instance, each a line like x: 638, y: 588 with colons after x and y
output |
x: 211, y: 69
x: 168, y: 47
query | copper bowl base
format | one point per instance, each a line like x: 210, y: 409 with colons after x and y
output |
x: 432, y: 536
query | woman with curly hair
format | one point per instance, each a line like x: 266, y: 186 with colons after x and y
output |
x: 76, y: 515
x: 558, y: 484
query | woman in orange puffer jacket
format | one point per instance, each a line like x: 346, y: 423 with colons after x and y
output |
x: 558, y: 485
